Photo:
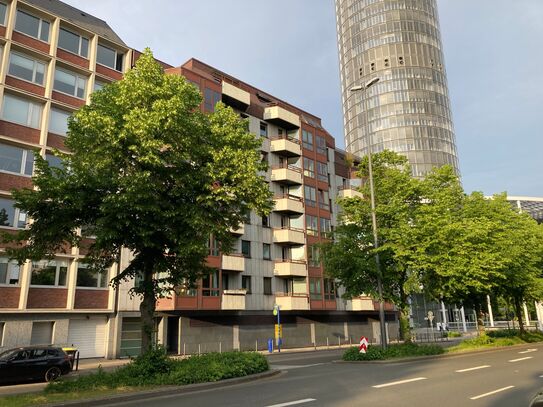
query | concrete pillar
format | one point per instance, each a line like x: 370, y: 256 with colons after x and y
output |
x: 539, y: 311
x: 235, y: 336
x: 526, y: 313
x: 313, y: 336
x: 179, y: 331
x: 443, y: 315
x: 490, y: 314
x: 463, y: 316
x: 346, y: 331
x: 162, y: 334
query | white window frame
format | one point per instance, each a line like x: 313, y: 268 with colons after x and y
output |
x: 49, y: 130
x: 40, y: 26
x: 80, y: 43
x: 18, y: 216
x: 100, y: 277
x: 31, y: 107
x: 116, y: 56
x: 12, y: 263
x: 58, y: 264
x: 34, y: 68
x: 22, y: 164
x: 4, y: 23
x: 77, y: 78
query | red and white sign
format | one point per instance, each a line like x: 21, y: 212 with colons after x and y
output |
x: 363, y: 344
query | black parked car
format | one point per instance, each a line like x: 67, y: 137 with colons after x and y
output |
x: 33, y: 362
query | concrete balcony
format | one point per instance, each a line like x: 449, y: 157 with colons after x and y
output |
x: 348, y: 192
x: 293, y: 237
x: 281, y: 117
x: 360, y: 304
x: 289, y: 204
x: 290, y: 268
x: 235, y: 97
x: 291, y: 303
x: 287, y: 147
x: 289, y: 175
x: 233, y: 262
x: 238, y: 231
x: 233, y: 299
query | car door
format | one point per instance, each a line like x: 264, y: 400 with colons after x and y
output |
x: 17, y: 367
x: 37, y: 363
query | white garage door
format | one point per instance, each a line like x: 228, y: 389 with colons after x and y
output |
x: 89, y: 336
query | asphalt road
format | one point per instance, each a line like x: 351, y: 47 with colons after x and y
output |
x: 504, y: 378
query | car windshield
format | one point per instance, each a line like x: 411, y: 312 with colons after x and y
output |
x: 6, y: 355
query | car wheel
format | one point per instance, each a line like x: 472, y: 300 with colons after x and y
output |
x: 52, y: 374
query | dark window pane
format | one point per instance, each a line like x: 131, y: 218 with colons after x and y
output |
x: 27, y: 24
x: 106, y: 56
x: 68, y: 41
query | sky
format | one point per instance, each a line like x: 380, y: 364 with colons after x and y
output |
x: 288, y: 49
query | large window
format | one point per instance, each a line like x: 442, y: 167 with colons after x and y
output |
x: 26, y: 68
x: 266, y: 250
x: 324, y: 199
x: 263, y: 129
x: 210, y: 284
x: 315, y: 289
x: 21, y: 111
x: 307, y: 139
x: 329, y: 289
x: 267, y: 286
x: 58, y: 121
x: 246, y: 248
x: 9, y: 271
x: 246, y: 283
x: 309, y: 167
x: 310, y: 196
x: 213, y: 246
x: 70, y: 83
x: 311, y: 224
x: 33, y: 26
x: 75, y: 43
x: 16, y: 160
x: 322, y: 171
x: 49, y: 273
x: 11, y: 216
x: 110, y: 58
x: 313, y: 256
x: 210, y: 99
x: 3, y: 12
x: 321, y: 145
x: 53, y: 161
x: 89, y: 278
x: 326, y: 228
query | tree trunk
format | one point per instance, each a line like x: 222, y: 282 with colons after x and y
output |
x: 518, y: 313
x: 147, y: 310
x: 480, y: 319
x: 405, y: 328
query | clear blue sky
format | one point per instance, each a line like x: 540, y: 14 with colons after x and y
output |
x: 288, y: 48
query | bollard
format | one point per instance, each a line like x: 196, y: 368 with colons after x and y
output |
x: 327, y: 344
x: 339, y: 342
x: 256, y: 345
x: 220, y: 347
x: 183, y: 349
x: 199, y: 350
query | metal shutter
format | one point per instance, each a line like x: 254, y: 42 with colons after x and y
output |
x: 88, y: 336
x: 42, y: 333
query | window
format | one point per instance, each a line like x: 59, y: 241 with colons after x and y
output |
x: 110, y: 58
x: 3, y: 12
x: 315, y: 289
x: 210, y: 284
x: 321, y: 145
x: 307, y: 139
x: 326, y: 228
x: 54, y: 161
x: 26, y: 68
x: 21, y: 111
x: 49, y: 273
x: 70, y: 83
x: 322, y: 171
x: 266, y: 221
x: 89, y: 278
x: 11, y: 216
x: 185, y: 289
x: 75, y: 43
x: 9, y: 273
x: 246, y: 283
x: 267, y: 286
x: 266, y: 248
x: 311, y: 224
x: 213, y: 246
x: 310, y: 195
x: 329, y: 289
x: 225, y: 280
x: 33, y: 26
x: 313, y: 256
x: 98, y: 85
x: 211, y: 98
x: 309, y: 167
x: 324, y: 199
x: 58, y: 121
x: 246, y: 248
x: 263, y: 129
x: 16, y: 160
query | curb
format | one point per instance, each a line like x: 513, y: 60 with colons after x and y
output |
x: 166, y: 391
x: 442, y: 356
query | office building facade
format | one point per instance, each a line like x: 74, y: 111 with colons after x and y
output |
x: 408, y: 109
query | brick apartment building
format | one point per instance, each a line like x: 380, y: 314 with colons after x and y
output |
x: 53, y: 57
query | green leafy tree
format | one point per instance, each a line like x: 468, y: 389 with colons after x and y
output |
x: 148, y: 172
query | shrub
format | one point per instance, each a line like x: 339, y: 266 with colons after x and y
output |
x: 393, y: 351
x: 454, y: 334
x: 503, y: 333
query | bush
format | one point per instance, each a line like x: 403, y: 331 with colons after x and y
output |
x: 156, y: 368
x: 454, y: 334
x: 503, y: 333
x: 392, y: 351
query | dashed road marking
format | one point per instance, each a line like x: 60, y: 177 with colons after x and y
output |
x: 292, y: 403
x: 289, y: 367
x: 528, y: 351
x: 416, y: 379
x: 519, y: 359
x: 472, y: 368
x: 491, y: 393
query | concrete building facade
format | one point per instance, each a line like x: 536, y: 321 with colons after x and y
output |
x: 408, y: 109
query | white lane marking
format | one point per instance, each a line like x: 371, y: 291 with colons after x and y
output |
x: 490, y: 393
x: 472, y: 368
x: 529, y: 350
x: 416, y: 379
x: 518, y: 360
x: 291, y: 403
x: 288, y: 367
x: 541, y: 375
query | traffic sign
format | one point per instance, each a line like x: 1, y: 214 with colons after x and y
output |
x: 363, y: 344
x: 278, y: 331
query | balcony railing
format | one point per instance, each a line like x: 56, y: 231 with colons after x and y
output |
x: 287, y: 174
x: 290, y: 236
x: 233, y: 262
x: 288, y: 268
x: 286, y: 146
x: 288, y: 203
x: 290, y: 301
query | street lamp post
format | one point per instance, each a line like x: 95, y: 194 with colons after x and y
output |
x: 373, y: 215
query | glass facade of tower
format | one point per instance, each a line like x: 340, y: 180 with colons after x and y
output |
x: 408, y: 110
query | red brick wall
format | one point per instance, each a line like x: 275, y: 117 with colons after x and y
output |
x: 2, y: 31
x: 91, y: 299
x: 9, y: 297
x: 10, y: 181
x: 211, y: 302
x: 55, y: 141
x: 47, y: 298
x: 31, y: 42
x: 110, y: 73
x: 19, y: 132
x: 69, y: 100
x: 24, y: 85
x: 74, y: 59
x: 186, y: 303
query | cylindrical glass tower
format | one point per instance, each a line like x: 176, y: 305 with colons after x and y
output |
x: 408, y: 110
